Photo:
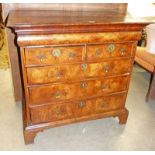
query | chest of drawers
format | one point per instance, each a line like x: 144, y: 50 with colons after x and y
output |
x: 74, y: 71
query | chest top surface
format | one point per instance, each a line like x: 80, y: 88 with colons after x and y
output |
x: 49, y: 17
x: 34, y: 21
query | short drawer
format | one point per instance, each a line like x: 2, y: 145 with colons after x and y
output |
x: 99, y: 105
x: 51, y: 113
x: 109, y: 50
x: 53, y: 55
x: 49, y: 74
x: 76, y: 90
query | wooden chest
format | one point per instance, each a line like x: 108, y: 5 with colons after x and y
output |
x: 74, y: 69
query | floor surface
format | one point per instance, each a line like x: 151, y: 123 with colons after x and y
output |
x: 102, y: 134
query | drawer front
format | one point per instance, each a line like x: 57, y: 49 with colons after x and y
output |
x: 77, y: 71
x: 79, y: 38
x: 99, y: 105
x: 58, y: 92
x: 110, y: 50
x: 54, y: 112
x: 52, y: 55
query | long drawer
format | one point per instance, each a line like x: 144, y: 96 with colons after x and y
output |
x: 87, y: 88
x: 77, y: 71
x: 73, y: 110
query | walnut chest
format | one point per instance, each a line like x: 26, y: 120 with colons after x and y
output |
x: 75, y: 66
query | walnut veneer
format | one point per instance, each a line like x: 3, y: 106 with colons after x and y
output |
x: 74, y: 68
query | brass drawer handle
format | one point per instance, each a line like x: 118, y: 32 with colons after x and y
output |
x: 123, y: 51
x: 57, y: 113
x: 58, y: 75
x: 84, y: 67
x: 98, y: 52
x: 57, y: 94
x: 56, y: 53
x: 70, y: 55
x: 105, y: 86
x: 111, y: 48
x: 41, y: 56
x: 83, y: 85
x: 104, y: 104
x: 82, y: 104
x: 107, y: 68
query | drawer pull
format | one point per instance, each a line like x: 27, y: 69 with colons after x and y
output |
x: 111, y: 48
x: 58, y: 75
x: 57, y: 113
x: 123, y: 51
x: 41, y: 56
x: 83, y: 85
x: 82, y: 104
x: 104, y: 104
x: 107, y: 68
x: 98, y: 52
x: 70, y: 55
x: 56, y: 53
x: 104, y: 86
x: 57, y: 94
x: 84, y: 67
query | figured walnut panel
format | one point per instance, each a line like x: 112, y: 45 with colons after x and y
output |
x: 76, y: 109
x: 98, y: 105
x: 72, y: 72
x: 52, y: 113
x: 87, y: 88
x: 53, y: 55
x: 109, y: 50
x: 77, y: 38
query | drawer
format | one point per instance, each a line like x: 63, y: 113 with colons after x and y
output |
x: 110, y: 50
x: 77, y: 71
x: 77, y: 109
x: 76, y: 90
x: 99, y: 105
x: 52, y: 55
x: 53, y: 112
